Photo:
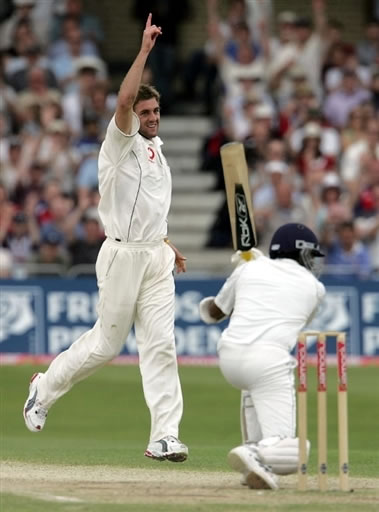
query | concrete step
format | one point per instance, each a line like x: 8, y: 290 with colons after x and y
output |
x: 183, y: 163
x: 183, y: 146
x: 196, y: 181
x: 208, y: 263
x: 185, y: 240
x: 184, y: 222
x: 174, y: 126
x: 199, y: 202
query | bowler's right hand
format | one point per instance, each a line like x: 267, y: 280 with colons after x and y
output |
x: 150, y: 35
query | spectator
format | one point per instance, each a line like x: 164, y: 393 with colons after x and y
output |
x: 236, y: 57
x: 11, y: 171
x: 240, y: 115
x: 87, y: 177
x: 262, y: 131
x: 276, y: 165
x: 367, y: 222
x: 22, y: 238
x: 90, y: 140
x: 202, y: 64
x: 31, y: 182
x: 285, y: 29
x: 102, y: 105
x: 58, y: 155
x: 300, y: 108
x: 51, y: 257
x: 286, y: 208
x: 335, y: 62
x: 65, y: 52
x: 88, y: 71
x: 353, y: 130
x: 84, y: 250
x: 62, y: 216
x: 89, y: 24
x: 265, y: 184
x: 363, y: 73
x: 308, y: 46
x: 311, y: 163
x: 325, y: 138
x: 20, y: 19
x: 331, y: 206
x: 340, y: 103
x: 346, y: 255
x: 33, y: 57
x: 72, y: 41
x: 37, y: 93
x: 358, y: 161
x: 368, y: 48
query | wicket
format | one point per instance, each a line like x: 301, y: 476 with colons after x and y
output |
x: 322, y: 409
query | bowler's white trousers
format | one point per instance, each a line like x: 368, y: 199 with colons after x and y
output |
x: 264, y: 373
x: 136, y: 285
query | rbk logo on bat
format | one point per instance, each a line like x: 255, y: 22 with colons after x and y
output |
x: 236, y: 176
x: 245, y: 237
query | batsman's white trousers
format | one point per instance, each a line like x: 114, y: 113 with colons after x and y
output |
x: 136, y: 285
x: 264, y: 371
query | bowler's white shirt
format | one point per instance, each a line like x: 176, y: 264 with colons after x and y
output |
x: 269, y: 301
x: 134, y: 185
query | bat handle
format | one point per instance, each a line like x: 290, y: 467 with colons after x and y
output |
x: 247, y: 255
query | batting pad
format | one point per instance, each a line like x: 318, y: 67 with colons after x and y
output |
x: 283, y: 456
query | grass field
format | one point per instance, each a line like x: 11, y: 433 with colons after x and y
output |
x: 90, y: 455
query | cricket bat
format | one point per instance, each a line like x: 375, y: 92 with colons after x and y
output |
x: 238, y: 196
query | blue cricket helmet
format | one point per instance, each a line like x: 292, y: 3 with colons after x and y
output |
x: 297, y: 242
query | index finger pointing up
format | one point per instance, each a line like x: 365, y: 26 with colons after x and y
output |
x: 148, y: 22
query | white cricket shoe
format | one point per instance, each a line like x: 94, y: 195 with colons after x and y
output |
x: 255, y: 473
x: 167, y: 448
x: 34, y: 413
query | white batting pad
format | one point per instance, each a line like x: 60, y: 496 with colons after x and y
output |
x: 282, y: 455
x: 250, y: 428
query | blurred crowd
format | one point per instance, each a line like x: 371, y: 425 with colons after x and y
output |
x: 55, y: 104
x: 296, y: 91
x: 304, y: 101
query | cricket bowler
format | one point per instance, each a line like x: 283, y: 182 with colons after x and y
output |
x: 134, y: 269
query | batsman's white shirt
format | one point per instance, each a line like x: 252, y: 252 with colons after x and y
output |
x: 134, y: 185
x: 270, y: 302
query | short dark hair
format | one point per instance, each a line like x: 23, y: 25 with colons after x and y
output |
x: 146, y: 92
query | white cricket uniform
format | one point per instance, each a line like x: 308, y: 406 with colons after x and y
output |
x: 270, y: 302
x: 135, y: 279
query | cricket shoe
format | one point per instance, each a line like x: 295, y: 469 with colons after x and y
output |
x: 252, y: 446
x: 34, y: 413
x: 257, y: 475
x: 167, y: 448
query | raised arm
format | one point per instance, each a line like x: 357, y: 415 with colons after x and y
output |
x: 129, y: 87
x: 319, y: 17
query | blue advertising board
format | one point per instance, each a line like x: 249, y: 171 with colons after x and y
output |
x: 45, y: 316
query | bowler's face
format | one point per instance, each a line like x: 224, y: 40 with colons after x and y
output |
x: 149, y: 115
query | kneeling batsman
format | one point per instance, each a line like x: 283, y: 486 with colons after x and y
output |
x: 269, y: 301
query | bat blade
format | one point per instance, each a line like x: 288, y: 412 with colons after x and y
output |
x: 238, y: 196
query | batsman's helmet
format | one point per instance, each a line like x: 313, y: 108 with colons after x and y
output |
x: 297, y: 242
